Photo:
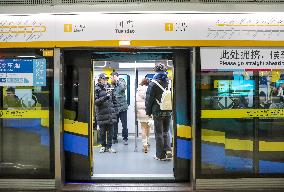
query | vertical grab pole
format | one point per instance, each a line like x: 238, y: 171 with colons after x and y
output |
x: 193, y: 117
x: 135, y: 109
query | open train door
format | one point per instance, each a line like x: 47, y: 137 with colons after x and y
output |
x: 78, y: 114
x: 78, y: 122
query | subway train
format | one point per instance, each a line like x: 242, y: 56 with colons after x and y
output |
x: 129, y: 162
x: 226, y: 77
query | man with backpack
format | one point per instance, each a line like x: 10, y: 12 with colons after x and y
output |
x: 158, y: 103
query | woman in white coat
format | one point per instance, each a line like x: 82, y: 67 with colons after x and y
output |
x: 141, y: 113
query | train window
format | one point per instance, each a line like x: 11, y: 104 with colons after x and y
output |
x: 26, y: 130
x: 240, y: 131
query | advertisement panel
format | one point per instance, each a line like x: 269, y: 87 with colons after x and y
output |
x: 22, y: 72
x: 241, y: 58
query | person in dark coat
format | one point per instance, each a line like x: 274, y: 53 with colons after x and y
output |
x: 161, y: 118
x: 121, y: 105
x: 105, y: 112
x: 12, y: 101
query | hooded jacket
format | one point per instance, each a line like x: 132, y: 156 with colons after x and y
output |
x: 105, y: 111
x: 119, y: 95
x: 155, y: 92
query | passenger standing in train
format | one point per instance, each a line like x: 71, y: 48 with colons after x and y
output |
x: 105, y: 113
x: 141, y: 113
x: 122, y: 106
x: 161, y: 118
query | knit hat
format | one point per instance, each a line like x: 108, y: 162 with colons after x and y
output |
x: 160, y: 67
x: 103, y: 76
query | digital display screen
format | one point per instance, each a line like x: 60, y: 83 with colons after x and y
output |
x: 278, y: 83
x: 235, y: 87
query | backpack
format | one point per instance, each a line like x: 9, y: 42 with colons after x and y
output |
x: 166, y: 99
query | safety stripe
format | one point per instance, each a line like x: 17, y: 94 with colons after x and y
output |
x: 213, y: 136
x: 271, y: 146
x: 271, y: 167
x: 34, y: 114
x: 242, y: 113
x: 76, y: 127
x: 239, y: 144
x: 184, y: 131
x: 76, y: 144
x: 115, y: 43
x: 216, y: 155
x: 184, y: 149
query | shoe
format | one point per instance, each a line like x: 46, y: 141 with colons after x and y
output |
x: 169, y: 155
x: 111, y: 150
x: 145, y: 149
x: 114, y: 141
x: 102, y: 149
x: 160, y: 159
x: 125, y: 142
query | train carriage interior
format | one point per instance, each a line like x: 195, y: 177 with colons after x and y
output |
x: 130, y: 162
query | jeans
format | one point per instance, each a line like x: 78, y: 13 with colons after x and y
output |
x: 162, y: 125
x: 106, y: 134
x: 123, y: 118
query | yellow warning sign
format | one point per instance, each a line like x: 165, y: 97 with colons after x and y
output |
x: 67, y: 27
x: 47, y: 53
x: 169, y: 26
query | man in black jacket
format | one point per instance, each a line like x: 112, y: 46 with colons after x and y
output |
x: 122, y: 106
x: 161, y: 118
x: 105, y: 113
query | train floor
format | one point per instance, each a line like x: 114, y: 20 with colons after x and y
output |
x: 130, y: 163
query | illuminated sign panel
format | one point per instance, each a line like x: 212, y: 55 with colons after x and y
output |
x: 22, y: 72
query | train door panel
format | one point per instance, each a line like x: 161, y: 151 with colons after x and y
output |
x: 77, y: 115
x: 182, y: 116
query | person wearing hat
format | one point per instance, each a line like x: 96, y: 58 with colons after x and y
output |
x: 161, y: 118
x: 105, y: 113
x: 122, y: 106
